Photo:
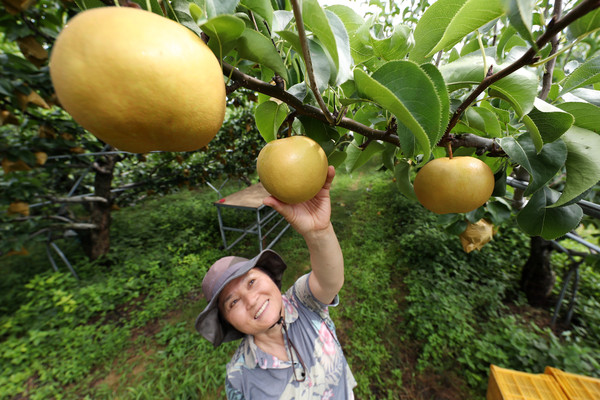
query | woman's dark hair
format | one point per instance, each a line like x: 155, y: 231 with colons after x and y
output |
x: 266, y: 271
x: 224, y: 323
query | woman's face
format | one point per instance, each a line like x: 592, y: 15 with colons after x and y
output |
x: 251, y: 303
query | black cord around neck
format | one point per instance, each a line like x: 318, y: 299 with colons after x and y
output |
x: 279, y: 322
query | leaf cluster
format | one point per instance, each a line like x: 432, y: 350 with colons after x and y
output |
x: 511, y: 79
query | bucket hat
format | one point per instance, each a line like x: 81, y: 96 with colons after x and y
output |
x: 209, y: 323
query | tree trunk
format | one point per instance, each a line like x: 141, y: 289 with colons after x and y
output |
x: 537, y: 277
x: 96, y: 242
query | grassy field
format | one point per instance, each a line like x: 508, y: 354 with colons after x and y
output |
x: 418, y: 318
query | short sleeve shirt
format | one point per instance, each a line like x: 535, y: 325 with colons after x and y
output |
x: 253, y: 374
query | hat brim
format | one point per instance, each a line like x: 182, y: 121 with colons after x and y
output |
x: 208, y: 323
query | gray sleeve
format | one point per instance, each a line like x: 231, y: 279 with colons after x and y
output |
x: 301, y: 291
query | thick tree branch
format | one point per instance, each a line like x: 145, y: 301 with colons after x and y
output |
x: 549, y: 67
x: 483, y: 145
x: 553, y: 28
x: 75, y: 226
x: 61, y: 219
x: 98, y: 168
x: 78, y: 199
x: 274, y: 91
x: 308, y: 61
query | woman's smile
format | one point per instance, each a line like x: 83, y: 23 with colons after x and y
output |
x: 261, y: 310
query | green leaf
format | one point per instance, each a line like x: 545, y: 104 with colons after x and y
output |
x: 394, y: 47
x: 536, y: 219
x: 357, y: 157
x: 500, y: 182
x: 583, y: 163
x: 183, y: 15
x: 281, y: 20
x: 551, y: 122
x: 542, y: 166
x: 343, y: 72
x: 408, y: 141
x: 269, y: 116
x: 470, y: 47
x: 357, y: 30
x: 403, y: 182
x: 336, y: 158
x: 508, y: 40
x: 87, y: 4
x: 585, y: 24
x: 197, y: 13
x: 457, y: 227
x: 589, y: 95
x: 586, y: 74
x: 321, y: 62
x: 389, y: 156
x: 405, y: 90
x: 154, y: 6
x: 218, y: 7
x: 264, y: 8
x: 370, y: 115
x: 320, y: 132
x: 226, y: 28
x: 454, y: 55
x: 253, y: 46
x: 223, y: 30
x: 519, y: 88
x: 586, y: 115
x: 317, y: 22
x: 475, y: 215
x: 447, y: 22
x: 499, y: 210
x: 502, y: 115
x: 520, y: 16
x: 534, y: 133
x: 484, y: 120
x: 442, y: 92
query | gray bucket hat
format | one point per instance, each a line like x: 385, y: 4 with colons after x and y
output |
x: 210, y: 325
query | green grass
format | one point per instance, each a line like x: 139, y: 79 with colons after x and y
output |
x: 418, y: 318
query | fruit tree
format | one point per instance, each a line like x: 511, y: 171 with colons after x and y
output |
x: 513, y: 83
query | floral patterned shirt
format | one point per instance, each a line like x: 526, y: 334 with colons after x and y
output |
x: 253, y: 374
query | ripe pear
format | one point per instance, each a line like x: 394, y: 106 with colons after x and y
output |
x: 454, y: 185
x: 292, y: 169
x: 138, y: 81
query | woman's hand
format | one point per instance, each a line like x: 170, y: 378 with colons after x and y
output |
x: 312, y: 215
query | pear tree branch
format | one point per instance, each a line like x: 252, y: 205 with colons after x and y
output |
x: 549, y: 68
x: 78, y: 199
x: 554, y: 27
x: 241, y: 79
x: 308, y: 62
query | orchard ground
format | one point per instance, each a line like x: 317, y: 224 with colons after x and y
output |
x: 418, y: 317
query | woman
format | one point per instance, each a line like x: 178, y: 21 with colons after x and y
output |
x: 289, y: 348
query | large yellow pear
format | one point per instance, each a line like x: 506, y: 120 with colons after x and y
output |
x: 292, y: 169
x: 138, y: 81
x: 454, y: 185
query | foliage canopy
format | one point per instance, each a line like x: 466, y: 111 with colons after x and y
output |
x: 513, y: 82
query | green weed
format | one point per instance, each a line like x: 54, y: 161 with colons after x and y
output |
x: 416, y: 313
